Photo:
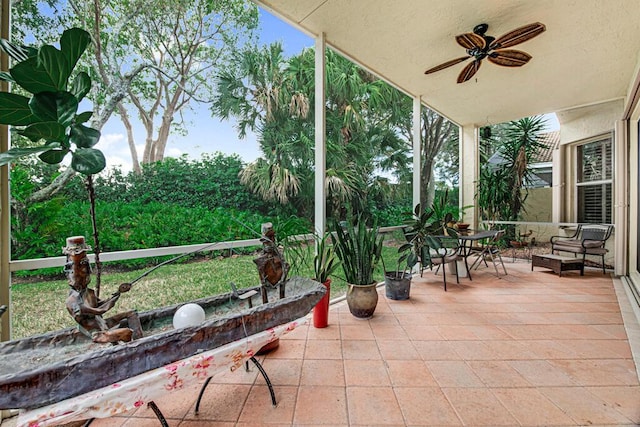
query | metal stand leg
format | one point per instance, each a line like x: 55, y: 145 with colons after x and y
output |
x: 204, y: 386
x: 156, y: 411
x: 268, y: 381
x: 264, y: 375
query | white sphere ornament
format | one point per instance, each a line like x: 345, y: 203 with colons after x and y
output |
x: 188, y: 315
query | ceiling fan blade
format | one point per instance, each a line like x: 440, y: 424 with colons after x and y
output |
x: 517, y: 36
x: 469, y: 71
x: 446, y: 64
x: 470, y: 40
x: 509, y: 57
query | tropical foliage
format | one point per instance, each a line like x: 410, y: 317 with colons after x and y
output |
x: 274, y: 96
x: 49, y: 118
x: 502, y: 189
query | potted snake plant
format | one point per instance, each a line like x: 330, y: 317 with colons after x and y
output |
x: 359, y: 249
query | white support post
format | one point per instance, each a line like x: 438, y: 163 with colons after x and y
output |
x: 621, y: 209
x: 320, y: 136
x: 469, y: 170
x: 417, y: 143
x: 5, y: 212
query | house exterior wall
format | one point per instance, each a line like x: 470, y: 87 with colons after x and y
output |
x: 538, y: 210
x: 578, y: 125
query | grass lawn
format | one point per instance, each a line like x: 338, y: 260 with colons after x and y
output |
x: 40, y: 307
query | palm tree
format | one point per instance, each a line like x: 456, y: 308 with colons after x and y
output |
x: 522, y: 140
x: 274, y: 97
x: 502, y: 189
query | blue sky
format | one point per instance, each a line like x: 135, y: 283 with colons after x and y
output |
x: 206, y: 134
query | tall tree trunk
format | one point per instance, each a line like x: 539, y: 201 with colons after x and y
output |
x: 124, y: 116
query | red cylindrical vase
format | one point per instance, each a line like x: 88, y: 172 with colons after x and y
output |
x: 321, y: 310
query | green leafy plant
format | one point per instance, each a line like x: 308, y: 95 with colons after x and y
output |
x: 359, y: 249
x: 405, y: 262
x: 49, y: 117
x: 417, y: 226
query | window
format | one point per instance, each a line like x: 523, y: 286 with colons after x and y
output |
x: 594, y: 183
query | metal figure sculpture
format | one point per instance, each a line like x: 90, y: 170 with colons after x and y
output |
x: 271, y: 264
x: 85, y: 307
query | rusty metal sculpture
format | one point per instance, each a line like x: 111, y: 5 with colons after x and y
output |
x: 85, y: 307
x: 271, y: 264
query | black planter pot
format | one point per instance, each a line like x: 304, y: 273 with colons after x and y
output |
x: 397, y: 286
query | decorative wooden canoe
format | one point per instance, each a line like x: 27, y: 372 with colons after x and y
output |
x: 43, y: 369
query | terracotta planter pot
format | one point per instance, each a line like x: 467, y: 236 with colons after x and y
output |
x: 321, y: 309
x: 362, y: 300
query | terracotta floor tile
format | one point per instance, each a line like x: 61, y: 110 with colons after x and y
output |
x: 625, y: 400
x: 598, y: 349
x: 488, y: 332
x: 359, y: 349
x: 584, y: 407
x: 510, y: 350
x: 453, y: 374
x: 191, y: 423
x: 221, y: 402
x: 288, y: 349
x: 426, y: 406
x: 262, y: 424
x: 373, y: 405
x: 388, y: 332
x: 240, y: 375
x: 356, y: 332
x: 542, y: 373
x: 550, y: 349
x: 175, y: 405
x: 422, y: 332
x: 103, y: 422
x: 410, y: 373
x: 599, y: 371
x: 473, y: 350
x: 498, y: 373
x: 281, y: 371
x: 531, y: 408
x: 397, y: 349
x: 366, y: 373
x: 331, y: 332
x: 258, y: 408
x: 614, y: 331
x: 436, y: 350
x: 478, y: 407
x: 323, y: 349
x: 456, y: 332
x: 150, y: 422
x: 321, y: 405
x: 316, y: 372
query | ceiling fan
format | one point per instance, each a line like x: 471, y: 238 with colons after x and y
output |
x: 480, y: 46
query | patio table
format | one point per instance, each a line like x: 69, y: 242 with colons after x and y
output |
x: 466, y: 243
x: 134, y: 392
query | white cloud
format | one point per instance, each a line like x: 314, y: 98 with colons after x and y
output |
x: 109, y: 140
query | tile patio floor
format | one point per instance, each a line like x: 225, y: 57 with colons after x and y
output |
x: 526, y: 349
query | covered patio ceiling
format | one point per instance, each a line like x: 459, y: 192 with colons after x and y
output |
x: 587, y: 55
